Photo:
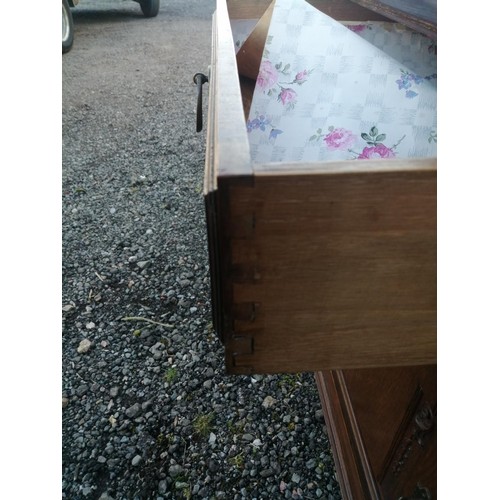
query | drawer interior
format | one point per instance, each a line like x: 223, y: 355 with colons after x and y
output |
x: 249, y: 25
x: 244, y: 17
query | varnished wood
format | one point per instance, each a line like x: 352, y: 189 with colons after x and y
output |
x: 247, y: 89
x: 250, y: 54
x: 341, y: 10
x: 341, y: 268
x: 228, y: 135
x: 379, y: 450
x: 354, y: 472
x: 420, y: 16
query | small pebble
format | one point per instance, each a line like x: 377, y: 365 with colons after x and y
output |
x: 84, y: 346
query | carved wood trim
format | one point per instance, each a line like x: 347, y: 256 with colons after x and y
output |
x: 416, y: 426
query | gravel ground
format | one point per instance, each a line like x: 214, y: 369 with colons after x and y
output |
x: 148, y: 411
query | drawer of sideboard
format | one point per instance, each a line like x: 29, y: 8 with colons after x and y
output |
x: 330, y: 266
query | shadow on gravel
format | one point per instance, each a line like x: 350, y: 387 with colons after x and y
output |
x: 105, y: 16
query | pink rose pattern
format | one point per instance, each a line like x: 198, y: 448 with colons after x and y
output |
x: 268, y: 76
x: 301, y: 77
x: 287, y: 97
x: 376, y: 148
x: 336, y: 139
x: 378, y: 151
x: 358, y: 28
x: 340, y: 139
x: 267, y: 81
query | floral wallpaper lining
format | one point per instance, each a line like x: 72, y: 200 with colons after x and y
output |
x: 326, y: 91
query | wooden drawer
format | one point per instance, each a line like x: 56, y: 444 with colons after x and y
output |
x: 329, y: 266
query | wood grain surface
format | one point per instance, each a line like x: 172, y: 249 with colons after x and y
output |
x: 420, y: 16
x: 340, y: 10
x: 250, y: 54
x: 341, y: 269
x: 382, y: 428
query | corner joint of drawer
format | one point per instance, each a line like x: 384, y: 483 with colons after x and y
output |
x: 241, y: 345
x: 241, y: 350
x: 245, y: 311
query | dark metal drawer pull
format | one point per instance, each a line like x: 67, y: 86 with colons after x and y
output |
x: 425, y: 420
x: 199, y: 79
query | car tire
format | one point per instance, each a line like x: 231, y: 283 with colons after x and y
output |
x: 150, y: 8
x: 67, y: 27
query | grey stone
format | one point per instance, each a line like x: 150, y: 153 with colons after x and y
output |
x: 162, y: 487
x: 133, y: 411
x: 82, y: 389
x: 311, y: 463
x: 268, y: 402
x: 106, y: 496
x: 147, y: 405
x: 136, y: 460
x: 175, y: 470
x: 84, y: 346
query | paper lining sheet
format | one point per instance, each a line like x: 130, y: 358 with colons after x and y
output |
x: 326, y: 91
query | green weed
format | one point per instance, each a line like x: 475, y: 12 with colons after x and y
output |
x: 202, y: 424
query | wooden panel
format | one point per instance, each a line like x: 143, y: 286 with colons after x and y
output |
x: 341, y: 270
x: 249, y: 56
x: 420, y: 16
x: 340, y: 10
x: 384, y: 420
x: 382, y: 428
x: 354, y: 473
x: 228, y: 136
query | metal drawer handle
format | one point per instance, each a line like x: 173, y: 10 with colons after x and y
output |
x: 425, y: 421
x: 199, y: 79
